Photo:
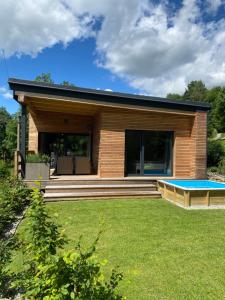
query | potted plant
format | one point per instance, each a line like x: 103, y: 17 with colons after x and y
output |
x: 37, y: 167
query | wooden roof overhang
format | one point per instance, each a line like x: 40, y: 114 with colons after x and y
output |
x: 56, y: 98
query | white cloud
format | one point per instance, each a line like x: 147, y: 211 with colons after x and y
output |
x: 5, y: 93
x: 27, y: 26
x: 213, y: 5
x: 158, y: 52
x: 154, y: 48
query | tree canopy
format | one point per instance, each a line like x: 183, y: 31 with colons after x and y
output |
x: 174, y: 96
x: 196, y: 91
x: 47, y: 78
x: 44, y: 77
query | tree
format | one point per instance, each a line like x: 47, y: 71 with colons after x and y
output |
x: 219, y: 112
x: 215, y: 153
x: 4, y: 119
x: 67, y: 83
x: 213, y: 121
x: 196, y: 91
x: 10, y: 141
x: 44, y: 77
x: 174, y: 96
x: 47, y: 78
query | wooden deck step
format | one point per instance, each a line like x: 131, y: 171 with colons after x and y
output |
x: 102, y: 194
x: 93, y: 181
x: 98, y: 187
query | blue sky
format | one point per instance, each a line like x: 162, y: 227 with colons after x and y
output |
x: 75, y: 63
x: 136, y: 46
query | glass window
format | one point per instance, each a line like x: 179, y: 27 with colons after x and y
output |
x: 149, y: 153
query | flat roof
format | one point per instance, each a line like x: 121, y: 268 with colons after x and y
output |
x: 29, y: 86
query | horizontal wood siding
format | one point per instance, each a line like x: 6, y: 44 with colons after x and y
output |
x: 199, y: 145
x: 32, y: 134
x: 189, y: 145
x: 108, y: 126
x: 62, y: 122
x: 45, y: 121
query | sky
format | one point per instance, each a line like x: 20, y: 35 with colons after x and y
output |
x: 146, y: 47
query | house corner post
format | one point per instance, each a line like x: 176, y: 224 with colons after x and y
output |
x: 22, y: 138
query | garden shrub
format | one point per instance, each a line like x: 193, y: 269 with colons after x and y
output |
x: 14, y: 196
x: 216, y: 151
x: 4, y: 170
x: 54, y: 273
x: 7, y: 245
x: 38, y: 158
x: 221, y: 167
x: 213, y: 169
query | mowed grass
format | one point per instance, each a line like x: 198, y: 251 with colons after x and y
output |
x: 164, y: 252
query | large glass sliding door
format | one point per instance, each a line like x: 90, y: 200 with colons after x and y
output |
x: 133, y: 150
x: 149, y: 153
x: 64, y: 144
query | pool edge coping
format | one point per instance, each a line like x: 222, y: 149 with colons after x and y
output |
x: 191, y: 189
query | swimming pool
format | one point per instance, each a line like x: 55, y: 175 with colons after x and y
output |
x: 193, y: 193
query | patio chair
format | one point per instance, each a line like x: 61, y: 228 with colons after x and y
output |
x: 82, y: 165
x: 65, y: 165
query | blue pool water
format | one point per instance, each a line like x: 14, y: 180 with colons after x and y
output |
x: 195, y: 184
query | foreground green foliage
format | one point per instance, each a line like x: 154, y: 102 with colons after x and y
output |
x: 14, y: 196
x: 52, y: 274
x: 165, y: 252
x: 7, y: 245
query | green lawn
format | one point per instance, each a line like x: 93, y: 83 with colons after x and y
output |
x: 164, y: 251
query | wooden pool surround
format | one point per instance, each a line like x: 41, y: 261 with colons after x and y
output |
x: 191, y: 198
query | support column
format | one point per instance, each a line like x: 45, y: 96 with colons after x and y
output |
x: 22, y: 138
x: 199, y: 137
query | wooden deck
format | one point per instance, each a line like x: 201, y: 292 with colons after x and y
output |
x: 74, y: 187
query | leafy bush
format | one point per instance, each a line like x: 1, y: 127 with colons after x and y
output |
x: 53, y: 273
x: 216, y: 152
x: 213, y: 169
x: 14, y: 196
x: 7, y: 245
x: 37, y: 158
x: 221, y: 167
x: 4, y: 170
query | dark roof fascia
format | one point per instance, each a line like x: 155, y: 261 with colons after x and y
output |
x: 104, y: 96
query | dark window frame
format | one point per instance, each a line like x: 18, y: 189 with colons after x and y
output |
x: 141, y: 133
x: 90, y: 147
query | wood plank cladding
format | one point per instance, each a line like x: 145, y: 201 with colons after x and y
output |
x: 52, y: 105
x: 32, y: 134
x: 199, y: 146
x: 55, y: 122
x: 108, y: 126
x: 189, y: 151
x: 96, y: 142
